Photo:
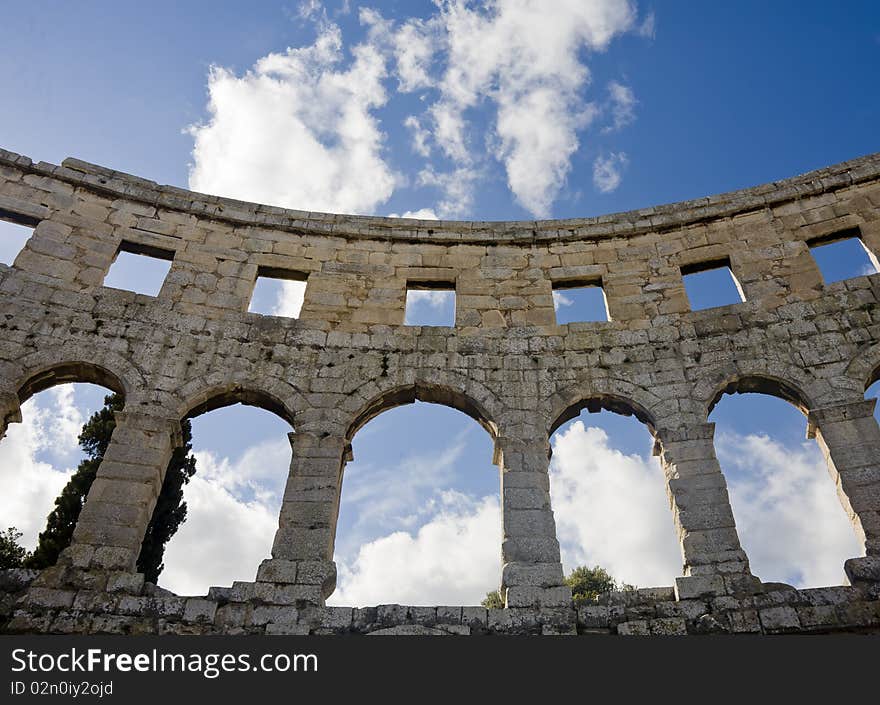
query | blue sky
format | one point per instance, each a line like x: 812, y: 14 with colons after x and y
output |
x: 587, y: 108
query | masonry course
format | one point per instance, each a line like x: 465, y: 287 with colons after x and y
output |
x: 505, y: 362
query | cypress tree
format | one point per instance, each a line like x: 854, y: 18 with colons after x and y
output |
x: 94, y: 439
x: 170, y: 509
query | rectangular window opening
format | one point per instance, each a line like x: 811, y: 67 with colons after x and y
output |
x: 843, y: 255
x: 14, y: 234
x: 580, y: 302
x: 278, y: 292
x: 430, y: 304
x: 139, y: 268
x: 711, y: 284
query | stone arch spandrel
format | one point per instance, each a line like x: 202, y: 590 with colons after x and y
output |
x: 864, y: 368
x: 785, y: 382
x: 436, y: 386
x: 205, y: 394
x: 74, y: 363
x: 611, y: 394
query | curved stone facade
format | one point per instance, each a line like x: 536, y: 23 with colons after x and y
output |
x: 506, y: 363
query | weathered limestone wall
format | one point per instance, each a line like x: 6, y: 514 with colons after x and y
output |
x: 506, y: 363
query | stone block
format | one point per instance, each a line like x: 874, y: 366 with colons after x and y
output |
x: 696, y: 586
x: 779, y: 619
x: 634, y: 628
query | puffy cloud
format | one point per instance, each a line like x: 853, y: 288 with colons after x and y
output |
x: 608, y: 171
x: 527, y: 61
x: 50, y: 426
x: 420, y: 214
x: 420, y: 136
x: 611, y: 509
x: 560, y: 300
x: 456, y: 188
x: 415, y: 45
x: 622, y: 105
x: 391, y: 496
x: 232, y: 516
x: 298, y: 129
x: 429, y: 297
x: 453, y: 558
x: 787, y: 512
x: 290, y: 299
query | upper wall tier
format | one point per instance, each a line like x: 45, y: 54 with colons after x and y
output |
x: 660, y: 218
x: 358, y: 268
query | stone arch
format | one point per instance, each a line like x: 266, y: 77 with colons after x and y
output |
x: 202, y: 395
x: 611, y: 394
x: 446, y: 389
x: 864, y: 369
x: 44, y: 369
x: 788, y: 385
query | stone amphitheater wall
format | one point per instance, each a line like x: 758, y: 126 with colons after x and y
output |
x: 506, y: 362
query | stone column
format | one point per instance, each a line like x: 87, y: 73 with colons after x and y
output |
x: 849, y: 438
x: 302, y: 553
x: 120, y: 503
x: 10, y: 411
x: 532, y: 570
x: 714, y: 561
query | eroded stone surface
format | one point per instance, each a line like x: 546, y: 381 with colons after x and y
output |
x: 349, y: 357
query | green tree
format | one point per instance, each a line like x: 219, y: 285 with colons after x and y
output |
x: 94, y: 439
x: 170, y: 509
x: 587, y: 583
x: 493, y: 600
x: 12, y: 555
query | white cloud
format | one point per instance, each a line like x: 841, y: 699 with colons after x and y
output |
x: 50, y: 425
x: 560, y: 300
x: 622, y: 104
x: 648, y: 28
x: 415, y: 45
x: 433, y: 298
x: 420, y: 214
x: 290, y: 299
x: 456, y: 188
x: 298, y: 130
x: 420, y: 136
x: 611, y: 509
x: 608, y: 171
x: 310, y: 9
x: 454, y: 558
x: 527, y: 61
x: 232, y: 516
x: 390, y: 496
x: 787, y: 512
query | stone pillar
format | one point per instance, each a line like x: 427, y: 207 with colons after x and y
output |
x: 849, y: 438
x: 302, y: 553
x: 532, y: 570
x: 120, y: 503
x: 714, y: 561
x: 10, y: 411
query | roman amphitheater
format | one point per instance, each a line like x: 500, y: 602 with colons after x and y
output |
x: 506, y: 362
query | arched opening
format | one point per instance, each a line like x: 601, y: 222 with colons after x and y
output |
x: 48, y: 461
x: 232, y: 500
x: 608, y: 494
x: 787, y: 513
x: 872, y: 391
x: 420, y: 518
